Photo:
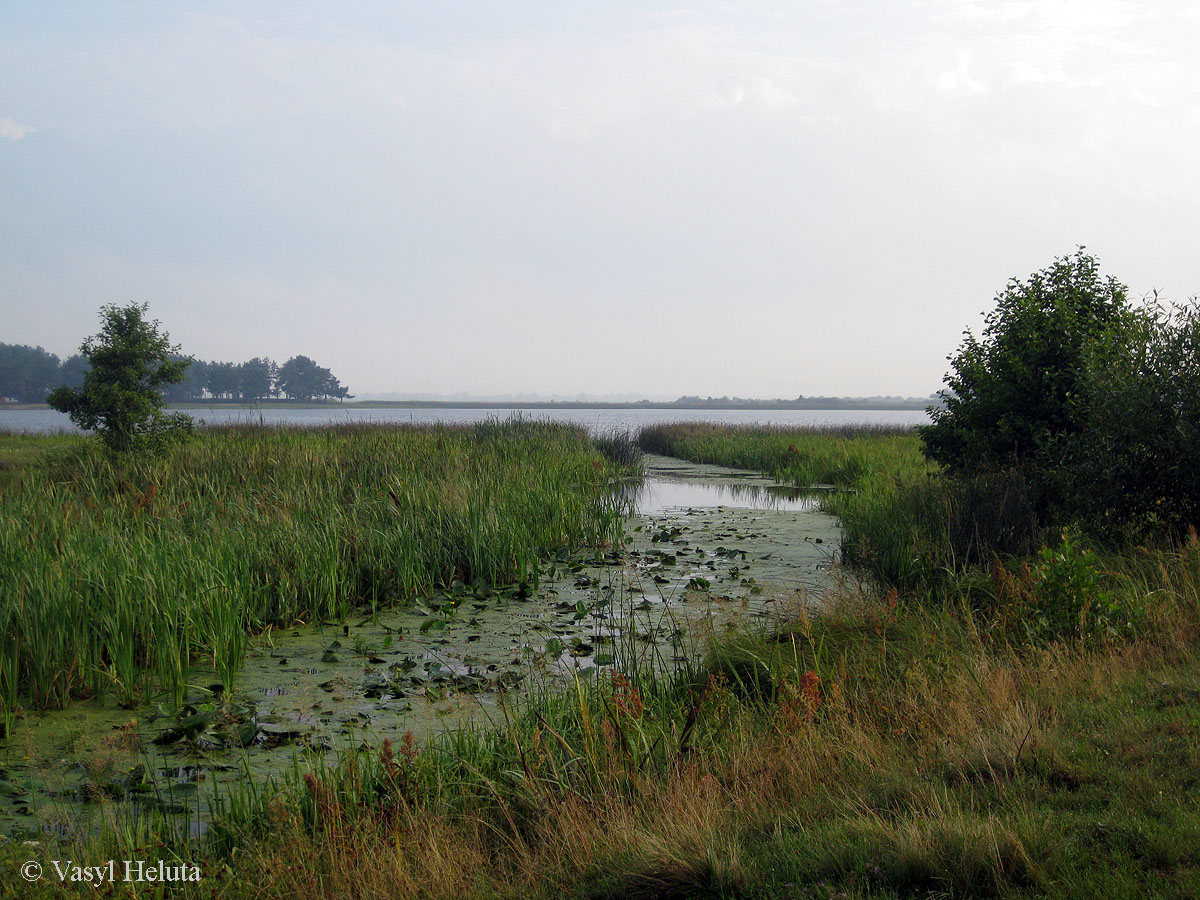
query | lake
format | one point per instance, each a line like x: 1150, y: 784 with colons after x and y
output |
x: 596, y: 420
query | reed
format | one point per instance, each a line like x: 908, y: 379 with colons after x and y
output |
x: 847, y: 456
x: 119, y: 572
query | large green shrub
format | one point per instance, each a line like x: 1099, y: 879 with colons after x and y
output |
x: 1011, y: 394
x: 1134, y: 469
x: 1093, y: 402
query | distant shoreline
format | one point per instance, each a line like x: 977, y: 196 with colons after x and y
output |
x: 828, y: 403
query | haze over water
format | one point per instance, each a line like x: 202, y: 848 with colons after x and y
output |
x: 596, y: 420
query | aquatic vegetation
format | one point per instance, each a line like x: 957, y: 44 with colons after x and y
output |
x: 899, y: 522
x: 120, y: 572
x: 847, y: 457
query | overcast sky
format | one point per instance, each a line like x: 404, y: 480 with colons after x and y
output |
x: 755, y: 198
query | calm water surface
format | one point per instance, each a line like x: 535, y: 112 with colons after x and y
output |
x: 596, y: 420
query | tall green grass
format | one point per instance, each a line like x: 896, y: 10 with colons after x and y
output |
x: 117, y: 572
x: 848, y: 457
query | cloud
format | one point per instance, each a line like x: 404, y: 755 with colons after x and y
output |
x: 959, y: 79
x: 13, y: 130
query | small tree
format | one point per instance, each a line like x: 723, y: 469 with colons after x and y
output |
x: 1012, y: 396
x: 120, y: 398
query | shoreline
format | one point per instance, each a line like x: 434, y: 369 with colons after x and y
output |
x: 841, y: 404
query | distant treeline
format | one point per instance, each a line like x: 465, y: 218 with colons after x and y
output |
x: 28, y: 374
x: 802, y: 402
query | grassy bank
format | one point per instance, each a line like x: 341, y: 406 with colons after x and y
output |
x: 120, y: 572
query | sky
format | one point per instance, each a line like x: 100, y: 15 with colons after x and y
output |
x: 618, y: 199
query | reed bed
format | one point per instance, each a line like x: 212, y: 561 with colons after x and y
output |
x: 119, y: 572
x: 858, y: 456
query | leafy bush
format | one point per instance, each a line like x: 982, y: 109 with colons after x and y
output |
x: 1010, y: 397
x: 1135, y: 468
x: 1064, y: 593
x: 1094, y: 403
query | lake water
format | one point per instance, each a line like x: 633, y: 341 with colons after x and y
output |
x: 596, y: 420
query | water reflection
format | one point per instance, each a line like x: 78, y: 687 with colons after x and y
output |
x: 657, y: 495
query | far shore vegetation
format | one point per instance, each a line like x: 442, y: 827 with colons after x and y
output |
x: 1001, y: 699
x: 806, y: 403
x: 28, y: 375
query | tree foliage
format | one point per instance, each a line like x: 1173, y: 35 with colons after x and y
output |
x: 256, y: 379
x: 191, y: 386
x: 27, y: 373
x: 131, y: 360
x: 73, y: 371
x: 1012, y: 394
x: 302, y: 379
x: 221, y: 380
x: 1135, y: 467
x: 1092, y: 404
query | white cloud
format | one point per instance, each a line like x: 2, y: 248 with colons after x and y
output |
x: 13, y: 130
x: 1144, y: 99
x: 762, y: 91
x: 959, y: 79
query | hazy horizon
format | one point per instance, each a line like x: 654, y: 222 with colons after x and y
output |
x: 584, y: 397
x: 759, y: 200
